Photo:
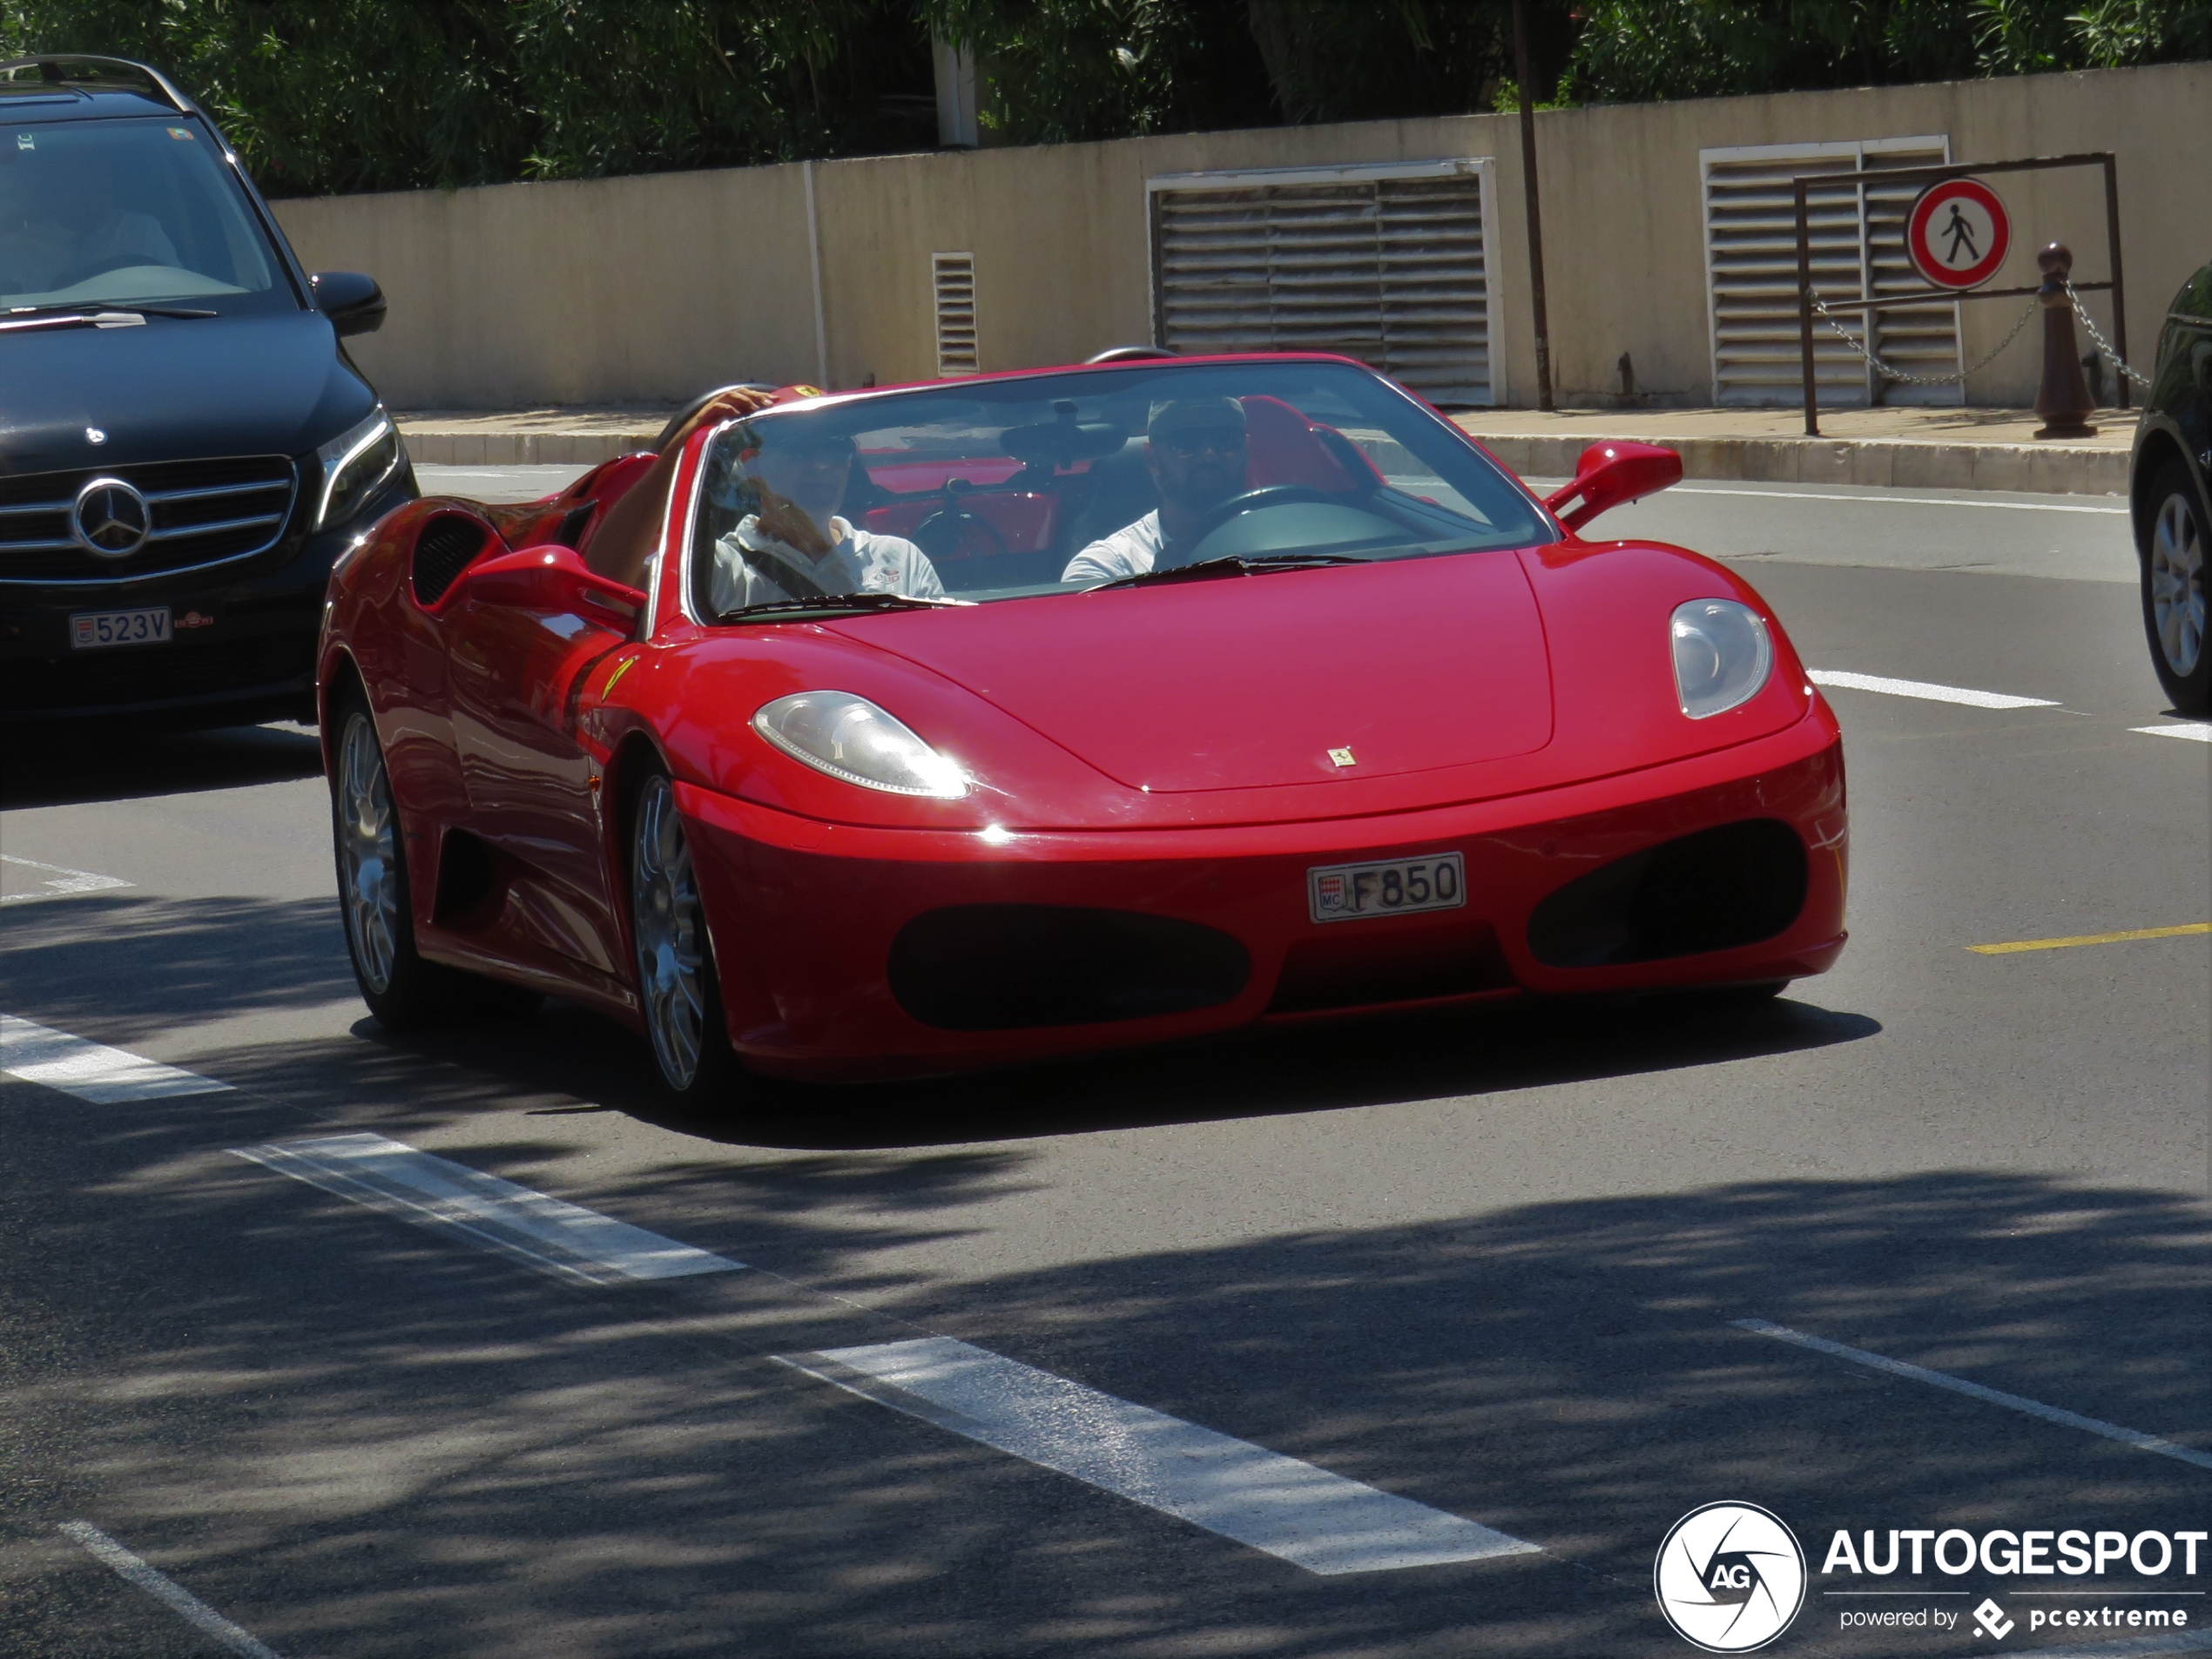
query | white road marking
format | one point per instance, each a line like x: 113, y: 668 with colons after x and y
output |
x: 1894, y: 501
x: 159, y: 1585
x: 90, y: 1070
x: 2196, y: 733
x: 1302, y: 1514
x: 1925, y: 690
x: 392, y: 1177
x: 2133, y: 1437
x: 72, y: 882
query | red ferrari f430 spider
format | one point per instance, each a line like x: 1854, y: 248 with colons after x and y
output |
x: 1038, y: 713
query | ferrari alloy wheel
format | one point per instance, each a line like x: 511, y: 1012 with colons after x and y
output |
x: 677, y: 993
x: 368, y: 856
x: 2174, y: 554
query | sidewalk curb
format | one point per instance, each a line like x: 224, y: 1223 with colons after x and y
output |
x: 2058, y: 469
x: 449, y: 446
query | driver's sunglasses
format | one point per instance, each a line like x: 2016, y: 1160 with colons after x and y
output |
x: 1188, y: 446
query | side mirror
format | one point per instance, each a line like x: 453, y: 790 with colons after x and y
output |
x: 1609, y: 473
x: 353, y: 302
x: 554, y: 579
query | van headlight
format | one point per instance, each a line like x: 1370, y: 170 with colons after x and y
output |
x: 850, y: 738
x: 1722, y: 656
x: 354, y: 464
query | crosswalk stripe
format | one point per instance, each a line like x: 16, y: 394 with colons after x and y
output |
x: 1305, y: 1516
x: 393, y: 1178
x: 69, y: 884
x: 91, y: 1071
x: 2199, y: 733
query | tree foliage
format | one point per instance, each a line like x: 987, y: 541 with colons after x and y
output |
x: 326, y: 96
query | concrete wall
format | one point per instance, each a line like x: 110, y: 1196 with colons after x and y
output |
x: 647, y: 289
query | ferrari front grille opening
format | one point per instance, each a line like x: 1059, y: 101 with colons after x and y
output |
x: 442, y: 551
x: 1391, y: 965
x: 1005, y: 967
x: 1719, y: 888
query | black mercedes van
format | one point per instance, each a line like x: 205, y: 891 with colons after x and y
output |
x: 184, y: 445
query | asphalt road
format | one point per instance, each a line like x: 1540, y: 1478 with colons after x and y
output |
x: 1489, y: 1264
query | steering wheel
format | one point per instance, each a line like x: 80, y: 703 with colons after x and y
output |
x: 945, y: 534
x: 91, y: 268
x: 675, y: 421
x: 1252, y: 500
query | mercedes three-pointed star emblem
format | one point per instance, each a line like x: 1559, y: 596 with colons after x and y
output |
x: 110, y: 518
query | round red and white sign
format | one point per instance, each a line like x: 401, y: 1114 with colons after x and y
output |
x: 1957, y: 234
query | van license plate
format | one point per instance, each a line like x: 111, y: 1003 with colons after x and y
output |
x: 91, y: 629
x: 1395, y: 887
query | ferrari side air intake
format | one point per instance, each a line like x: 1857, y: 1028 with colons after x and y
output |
x: 1007, y: 967
x: 446, y: 547
x: 1719, y: 888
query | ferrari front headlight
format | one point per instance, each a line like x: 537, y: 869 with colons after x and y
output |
x: 354, y: 464
x: 850, y: 738
x: 1722, y: 656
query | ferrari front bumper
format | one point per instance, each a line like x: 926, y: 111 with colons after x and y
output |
x: 814, y: 925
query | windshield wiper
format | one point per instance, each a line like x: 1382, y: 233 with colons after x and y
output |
x: 770, y: 608
x: 1231, y: 564
x: 88, y: 316
x: 91, y: 307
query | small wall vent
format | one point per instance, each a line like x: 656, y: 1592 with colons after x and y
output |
x: 952, y: 278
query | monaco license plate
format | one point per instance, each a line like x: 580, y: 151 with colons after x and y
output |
x: 91, y: 629
x: 1393, y: 887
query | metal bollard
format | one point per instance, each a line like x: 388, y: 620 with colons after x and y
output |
x: 2063, y: 398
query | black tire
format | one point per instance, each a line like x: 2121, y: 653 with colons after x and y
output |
x: 679, y: 998
x: 402, y: 990
x: 2174, y: 537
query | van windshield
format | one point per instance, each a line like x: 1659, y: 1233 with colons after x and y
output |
x: 135, y: 211
x: 1061, y: 483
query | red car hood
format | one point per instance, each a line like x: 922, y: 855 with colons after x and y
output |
x: 1245, y: 683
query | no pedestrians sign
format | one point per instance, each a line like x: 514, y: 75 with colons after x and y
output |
x: 1957, y: 234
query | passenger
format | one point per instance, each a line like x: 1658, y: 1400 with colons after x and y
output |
x: 60, y: 225
x: 1195, y: 450
x: 794, y: 546
x: 793, y: 531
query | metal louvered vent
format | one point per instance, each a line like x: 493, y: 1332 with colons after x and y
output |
x: 442, y: 551
x: 1388, y: 264
x: 952, y: 280
x: 1857, y: 236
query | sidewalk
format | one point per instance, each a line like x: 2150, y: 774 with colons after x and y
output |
x: 1951, y: 448
x: 1922, y: 448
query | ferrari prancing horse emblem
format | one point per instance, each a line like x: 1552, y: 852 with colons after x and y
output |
x: 1342, y: 757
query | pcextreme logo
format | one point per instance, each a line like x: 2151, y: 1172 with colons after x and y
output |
x: 1729, y: 1577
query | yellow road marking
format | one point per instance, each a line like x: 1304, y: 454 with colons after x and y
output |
x: 2093, y: 939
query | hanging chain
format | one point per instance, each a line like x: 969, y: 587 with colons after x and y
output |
x: 1889, y: 374
x: 2103, y: 345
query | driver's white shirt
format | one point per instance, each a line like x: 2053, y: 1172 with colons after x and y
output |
x: 862, y: 562
x: 1130, y: 550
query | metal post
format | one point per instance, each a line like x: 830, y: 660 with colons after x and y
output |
x: 1536, y: 217
x: 2119, y: 293
x: 1805, y: 312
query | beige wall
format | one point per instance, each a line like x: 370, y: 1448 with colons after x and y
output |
x: 647, y: 289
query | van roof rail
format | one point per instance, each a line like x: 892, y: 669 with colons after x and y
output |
x: 69, y: 69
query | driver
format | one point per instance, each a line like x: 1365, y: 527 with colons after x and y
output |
x: 64, y: 227
x: 794, y: 545
x: 1194, y: 449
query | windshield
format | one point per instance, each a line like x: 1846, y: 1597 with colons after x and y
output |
x: 127, y: 211
x: 1056, y: 484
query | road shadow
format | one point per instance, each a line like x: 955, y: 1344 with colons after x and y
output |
x: 360, y: 1437
x: 70, y: 766
x: 566, y: 1061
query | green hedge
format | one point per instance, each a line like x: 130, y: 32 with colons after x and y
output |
x: 334, y: 96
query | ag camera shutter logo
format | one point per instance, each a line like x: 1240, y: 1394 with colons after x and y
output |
x: 1729, y: 1577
